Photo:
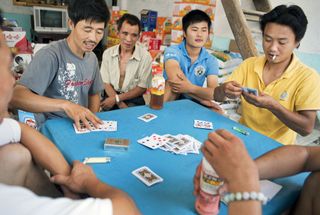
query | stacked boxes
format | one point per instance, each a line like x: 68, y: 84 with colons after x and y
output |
x: 182, y: 8
x: 163, y: 30
x: 112, y: 38
x: 148, y: 19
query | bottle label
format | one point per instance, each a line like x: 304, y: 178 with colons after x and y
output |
x: 210, y: 183
x: 157, y: 86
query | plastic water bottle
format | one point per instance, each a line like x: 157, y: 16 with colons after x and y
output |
x: 157, y: 88
x: 208, y: 200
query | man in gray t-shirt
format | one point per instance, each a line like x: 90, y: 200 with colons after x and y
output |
x: 63, y: 79
x: 57, y: 73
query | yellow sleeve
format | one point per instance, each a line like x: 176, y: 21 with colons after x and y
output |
x: 308, y: 94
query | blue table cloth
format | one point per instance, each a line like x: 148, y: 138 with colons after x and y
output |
x: 174, y: 194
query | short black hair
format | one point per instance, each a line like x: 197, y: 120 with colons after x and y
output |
x: 195, y: 16
x: 129, y: 18
x: 1, y: 19
x: 91, y: 10
x: 291, y: 16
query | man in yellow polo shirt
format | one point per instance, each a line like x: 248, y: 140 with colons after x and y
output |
x: 288, y: 91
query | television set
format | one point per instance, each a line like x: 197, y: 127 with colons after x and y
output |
x: 49, y: 19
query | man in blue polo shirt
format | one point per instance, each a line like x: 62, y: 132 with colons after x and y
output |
x: 188, y: 64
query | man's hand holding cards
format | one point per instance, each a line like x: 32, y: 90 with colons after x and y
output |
x: 147, y: 176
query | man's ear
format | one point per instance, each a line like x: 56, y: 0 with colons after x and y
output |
x: 184, y: 34
x: 70, y: 24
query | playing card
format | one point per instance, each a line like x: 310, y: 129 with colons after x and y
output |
x: 158, y: 139
x: 202, y: 124
x: 105, y: 126
x: 153, y: 142
x: 109, y: 126
x: 147, y: 176
x: 82, y: 130
x: 171, y: 140
x: 191, y: 144
x: 250, y: 90
x: 147, y: 117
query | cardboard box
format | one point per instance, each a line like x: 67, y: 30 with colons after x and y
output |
x: 164, y: 25
x: 176, y: 36
x: 212, y: 2
x: 145, y: 38
x: 148, y: 19
x: 177, y: 23
x: 154, y: 44
x: 112, y: 41
x: 18, y: 41
x: 181, y: 9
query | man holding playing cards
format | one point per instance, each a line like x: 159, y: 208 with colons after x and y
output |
x: 63, y: 79
x: 288, y: 91
x: 126, y: 68
x: 189, y: 64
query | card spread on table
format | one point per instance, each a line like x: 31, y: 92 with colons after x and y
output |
x: 105, y: 126
x: 153, y: 142
x: 177, y: 144
x: 250, y: 90
x: 147, y: 117
x: 147, y: 176
x: 202, y: 124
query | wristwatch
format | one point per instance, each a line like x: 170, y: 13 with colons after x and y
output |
x: 117, y: 98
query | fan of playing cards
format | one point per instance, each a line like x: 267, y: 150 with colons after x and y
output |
x: 178, y: 144
x: 105, y: 126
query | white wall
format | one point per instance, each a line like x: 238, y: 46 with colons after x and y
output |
x: 310, y: 43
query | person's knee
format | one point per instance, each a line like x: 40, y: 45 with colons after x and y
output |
x: 15, y: 156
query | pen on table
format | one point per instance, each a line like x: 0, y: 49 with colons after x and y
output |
x: 240, y: 130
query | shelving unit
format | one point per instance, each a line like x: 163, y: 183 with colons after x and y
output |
x: 40, y: 3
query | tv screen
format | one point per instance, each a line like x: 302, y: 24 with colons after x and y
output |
x: 51, y: 19
x: 47, y: 19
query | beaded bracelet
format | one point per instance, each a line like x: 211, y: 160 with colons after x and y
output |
x: 245, y: 196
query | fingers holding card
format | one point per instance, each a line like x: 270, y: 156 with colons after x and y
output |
x: 147, y: 176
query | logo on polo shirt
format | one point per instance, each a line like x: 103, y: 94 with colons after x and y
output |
x: 199, y: 70
x: 284, y: 96
x: 170, y: 55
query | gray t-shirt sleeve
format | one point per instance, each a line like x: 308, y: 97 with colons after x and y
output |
x: 97, y: 84
x: 40, y: 72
